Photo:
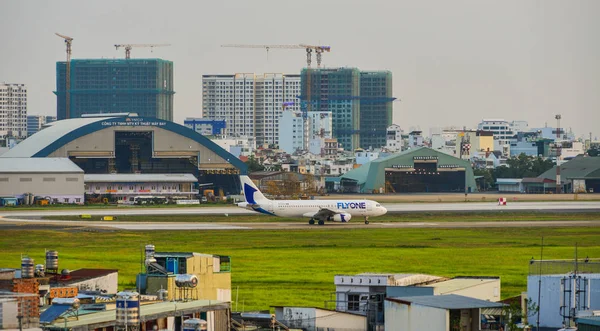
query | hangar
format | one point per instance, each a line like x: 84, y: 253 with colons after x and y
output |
x: 128, y: 144
x: 579, y: 175
x: 415, y: 170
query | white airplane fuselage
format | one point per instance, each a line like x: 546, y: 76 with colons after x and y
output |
x: 307, y: 208
x: 315, y: 210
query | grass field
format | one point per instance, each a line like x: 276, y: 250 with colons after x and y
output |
x: 296, y: 267
x: 396, y: 217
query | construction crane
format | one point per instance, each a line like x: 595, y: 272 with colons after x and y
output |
x: 128, y: 47
x: 309, y: 50
x: 68, y: 41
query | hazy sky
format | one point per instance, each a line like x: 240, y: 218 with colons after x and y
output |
x: 453, y: 62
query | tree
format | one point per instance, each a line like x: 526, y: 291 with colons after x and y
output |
x: 514, y: 314
x: 254, y: 165
x: 523, y: 166
x: 308, y: 184
x: 488, y: 177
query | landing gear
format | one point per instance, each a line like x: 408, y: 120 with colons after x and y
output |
x: 311, y: 221
x: 366, y: 219
x: 321, y: 222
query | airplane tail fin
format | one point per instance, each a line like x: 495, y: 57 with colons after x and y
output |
x: 252, y: 194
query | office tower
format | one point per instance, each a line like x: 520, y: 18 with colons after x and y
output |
x: 142, y: 86
x: 13, y: 111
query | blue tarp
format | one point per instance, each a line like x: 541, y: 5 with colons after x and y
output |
x: 52, y: 313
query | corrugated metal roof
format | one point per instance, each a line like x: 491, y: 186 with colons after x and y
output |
x: 450, y: 301
x: 38, y: 165
x: 139, y: 178
x: 162, y: 309
x: 43, y: 138
x: 579, y: 167
x: 589, y: 320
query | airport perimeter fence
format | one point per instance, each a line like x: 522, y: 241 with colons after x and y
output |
x: 560, y: 267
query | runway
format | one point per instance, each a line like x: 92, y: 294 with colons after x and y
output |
x: 31, y: 219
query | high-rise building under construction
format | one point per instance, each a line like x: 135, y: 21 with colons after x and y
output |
x: 142, y: 86
x: 360, y: 103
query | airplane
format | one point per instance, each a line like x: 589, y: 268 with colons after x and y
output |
x: 317, y: 210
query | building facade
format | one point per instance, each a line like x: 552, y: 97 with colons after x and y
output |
x: 13, y: 111
x: 108, y: 86
x: 292, y: 132
x: 36, y: 122
x: 360, y: 103
x: 207, y: 127
x: 394, y: 138
x: 250, y: 104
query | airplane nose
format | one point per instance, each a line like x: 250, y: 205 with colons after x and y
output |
x: 383, y: 210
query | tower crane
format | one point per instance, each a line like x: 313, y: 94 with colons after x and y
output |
x: 68, y: 41
x: 309, y: 50
x: 128, y: 47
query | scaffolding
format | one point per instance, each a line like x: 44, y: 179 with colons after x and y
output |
x: 142, y: 86
x: 360, y: 103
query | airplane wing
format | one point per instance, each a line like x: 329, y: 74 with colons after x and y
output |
x: 322, y: 214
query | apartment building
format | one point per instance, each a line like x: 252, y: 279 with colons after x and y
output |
x: 13, y: 111
x: 250, y: 104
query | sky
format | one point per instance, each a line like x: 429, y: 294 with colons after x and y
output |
x: 453, y: 63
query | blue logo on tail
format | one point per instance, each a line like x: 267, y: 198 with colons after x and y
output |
x: 249, y: 194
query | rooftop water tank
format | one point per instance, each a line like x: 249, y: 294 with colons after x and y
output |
x: 73, y: 302
x: 194, y: 324
x: 27, y: 268
x: 150, y: 250
x: 52, y: 260
x: 128, y: 308
x: 65, y: 272
x: 186, y: 280
x: 40, y: 270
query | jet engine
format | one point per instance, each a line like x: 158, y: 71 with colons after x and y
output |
x: 342, y: 217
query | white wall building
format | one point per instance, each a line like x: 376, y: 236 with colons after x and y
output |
x: 36, y: 122
x: 415, y: 139
x: 240, y: 146
x: 13, y: 111
x: 58, y: 179
x: 291, y: 131
x: 502, y: 130
x: 429, y: 312
x: 560, y: 290
x: 394, y: 138
x: 250, y: 104
x: 309, y: 318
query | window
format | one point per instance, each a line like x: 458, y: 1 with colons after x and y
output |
x: 49, y: 179
x: 72, y: 179
x: 66, y: 200
x: 78, y: 200
x: 25, y: 179
x: 353, y: 302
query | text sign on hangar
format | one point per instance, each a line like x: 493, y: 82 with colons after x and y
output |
x: 425, y: 159
x: 138, y: 121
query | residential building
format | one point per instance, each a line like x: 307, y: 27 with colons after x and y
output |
x: 107, y: 86
x: 470, y: 142
x: 360, y: 103
x: 13, y: 112
x: 415, y: 139
x: 250, y: 104
x: 394, y: 140
x: 291, y: 131
x: 206, y: 127
x: 36, y: 122
x: 240, y: 146
x: 502, y: 130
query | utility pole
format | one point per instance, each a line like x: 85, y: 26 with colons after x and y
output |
x: 558, y: 145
